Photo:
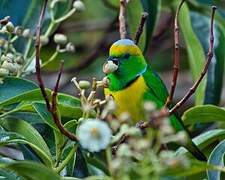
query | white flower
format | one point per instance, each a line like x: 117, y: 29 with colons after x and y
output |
x: 94, y: 135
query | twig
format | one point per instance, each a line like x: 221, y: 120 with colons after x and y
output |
x: 209, y: 58
x: 37, y: 53
x: 176, y: 65
x: 122, y: 19
x: 51, y: 108
x: 5, y: 20
x: 140, y: 27
x: 54, y: 108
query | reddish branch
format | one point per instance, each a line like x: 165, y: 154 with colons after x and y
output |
x: 209, y: 58
x: 37, y: 47
x: 52, y: 108
x: 122, y: 19
x: 140, y: 27
x: 176, y: 65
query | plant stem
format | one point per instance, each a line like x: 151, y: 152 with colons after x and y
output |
x: 51, y: 59
x: 70, y: 13
x: 66, y: 161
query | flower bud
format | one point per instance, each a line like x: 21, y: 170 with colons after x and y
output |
x: 44, y: 40
x: 124, y: 151
x: 149, y: 106
x: 60, y: 39
x: 2, y: 42
x: 10, y: 27
x: 10, y: 57
x: 18, y: 30
x: 3, y: 58
x: 84, y: 84
x: 79, y: 5
x: 70, y: 47
x: 106, y: 82
x: 111, y: 106
x: 27, y: 33
x: 19, y: 60
x: 4, y: 72
x: 9, y: 66
x: 109, y: 67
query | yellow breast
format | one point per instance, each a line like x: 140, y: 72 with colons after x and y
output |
x: 130, y: 99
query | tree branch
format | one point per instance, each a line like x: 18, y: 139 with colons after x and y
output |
x: 144, y: 16
x: 37, y: 48
x: 51, y: 108
x: 54, y: 108
x: 122, y: 19
x: 176, y: 65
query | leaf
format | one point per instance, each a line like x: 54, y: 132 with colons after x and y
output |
x: 195, y: 52
x: 98, y: 164
x: 193, y: 168
x: 8, y: 175
x: 44, y: 114
x: 153, y: 9
x: 134, y: 16
x: 31, y: 170
x: 216, y: 68
x: 14, y: 87
x: 81, y: 169
x: 203, y: 114
x: 30, y: 137
x: 216, y: 158
x: 205, y: 139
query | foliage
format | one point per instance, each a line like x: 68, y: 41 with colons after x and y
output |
x: 28, y: 129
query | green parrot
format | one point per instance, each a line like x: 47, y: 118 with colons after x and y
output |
x: 132, y: 81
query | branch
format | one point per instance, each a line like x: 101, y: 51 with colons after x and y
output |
x: 176, y: 65
x: 209, y: 58
x: 51, y: 108
x: 122, y: 19
x: 54, y: 108
x: 37, y: 48
x: 140, y: 27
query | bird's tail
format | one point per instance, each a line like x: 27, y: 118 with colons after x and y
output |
x: 190, y: 145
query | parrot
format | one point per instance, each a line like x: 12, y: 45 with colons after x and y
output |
x: 131, y: 82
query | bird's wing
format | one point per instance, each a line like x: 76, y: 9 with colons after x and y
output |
x: 156, y: 85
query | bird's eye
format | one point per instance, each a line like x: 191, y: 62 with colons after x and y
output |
x: 126, y: 56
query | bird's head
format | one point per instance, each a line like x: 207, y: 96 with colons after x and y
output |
x: 124, y: 64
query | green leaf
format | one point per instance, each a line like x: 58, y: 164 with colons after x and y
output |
x: 31, y: 170
x: 81, y: 169
x: 30, y: 136
x: 201, y: 27
x: 195, y: 167
x: 14, y: 87
x: 134, y: 16
x: 153, y: 9
x: 203, y: 114
x: 8, y: 175
x: 205, y: 139
x: 216, y: 158
x: 44, y: 114
x: 195, y: 52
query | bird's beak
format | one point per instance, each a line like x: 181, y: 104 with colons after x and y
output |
x: 110, y: 66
